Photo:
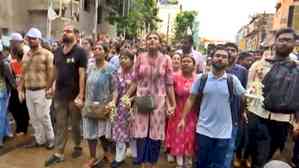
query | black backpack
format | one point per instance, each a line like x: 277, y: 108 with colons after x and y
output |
x: 203, y: 81
x: 281, y: 86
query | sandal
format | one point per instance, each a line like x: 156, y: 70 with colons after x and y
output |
x: 93, y: 163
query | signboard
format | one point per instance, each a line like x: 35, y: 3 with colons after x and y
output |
x: 242, y: 44
x: 168, y: 2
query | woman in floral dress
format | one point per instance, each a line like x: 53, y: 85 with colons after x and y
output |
x: 181, y: 143
x: 153, y: 76
x: 122, y: 120
x: 99, y: 88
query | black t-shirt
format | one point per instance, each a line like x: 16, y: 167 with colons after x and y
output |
x: 67, y: 65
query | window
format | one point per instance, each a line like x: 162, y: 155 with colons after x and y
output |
x: 86, y: 4
x: 291, y: 15
x: 100, y: 14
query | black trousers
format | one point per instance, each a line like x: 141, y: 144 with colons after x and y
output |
x: 295, y: 158
x: 265, y: 137
x: 19, y: 112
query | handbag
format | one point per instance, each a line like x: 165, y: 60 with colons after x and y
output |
x: 145, y: 104
x: 96, y: 111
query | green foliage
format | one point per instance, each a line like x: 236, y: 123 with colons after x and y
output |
x: 184, y: 21
x: 201, y: 48
x: 142, y: 16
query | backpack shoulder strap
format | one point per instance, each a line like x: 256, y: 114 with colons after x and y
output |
x: 203, y: 81
x: 230, y: 85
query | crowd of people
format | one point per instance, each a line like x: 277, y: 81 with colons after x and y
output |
x: 143, y: 96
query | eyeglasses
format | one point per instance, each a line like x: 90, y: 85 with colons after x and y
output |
x: 285, y: 40
x: 221, y: 55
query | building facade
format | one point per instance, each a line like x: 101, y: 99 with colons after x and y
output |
x: 92, y: 17
x: 286, y: 15
x: 253, y: 35
x: 168, y: 11
x: 20, y: 15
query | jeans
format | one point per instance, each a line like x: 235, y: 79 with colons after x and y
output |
x: 211, y: 152
x: 265, y: 137
x: 4, y: 122
x: 231, y: 148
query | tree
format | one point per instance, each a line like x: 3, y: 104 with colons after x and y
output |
x: 140, y: 16
x: 183, y: 22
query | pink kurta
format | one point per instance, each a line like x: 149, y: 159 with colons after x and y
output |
x: 182, y: 142
x: 153, y: 76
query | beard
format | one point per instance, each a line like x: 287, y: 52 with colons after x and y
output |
x: 67, y: 40
x: 284, y: 51
x: 218, y: 66
x: 33, y: 46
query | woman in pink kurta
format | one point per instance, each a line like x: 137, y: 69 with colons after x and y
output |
x: 181, y: 143
x: 153, y: 76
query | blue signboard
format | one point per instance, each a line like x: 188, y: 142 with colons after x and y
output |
x: 168, y: 2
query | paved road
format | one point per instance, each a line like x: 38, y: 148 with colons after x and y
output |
x: 19, y: 157
x: 34, y: 158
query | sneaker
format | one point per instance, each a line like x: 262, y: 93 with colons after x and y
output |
x: 53, y: 159
x: 170, y: 158
x: 50, y: 145
x: 116, y: 164
x: 77, y: 152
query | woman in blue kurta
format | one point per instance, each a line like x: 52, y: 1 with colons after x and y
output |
x: 99, y: 88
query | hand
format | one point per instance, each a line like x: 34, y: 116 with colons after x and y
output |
x: 79, y: 101
x: 296, y: 129
x: 170, y: 110
x: 245, y: 117
x: 126, y: 101
x: 110, y: 106
x: 21, y: 96
x: 181, y: 125
x: 49, y: 93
